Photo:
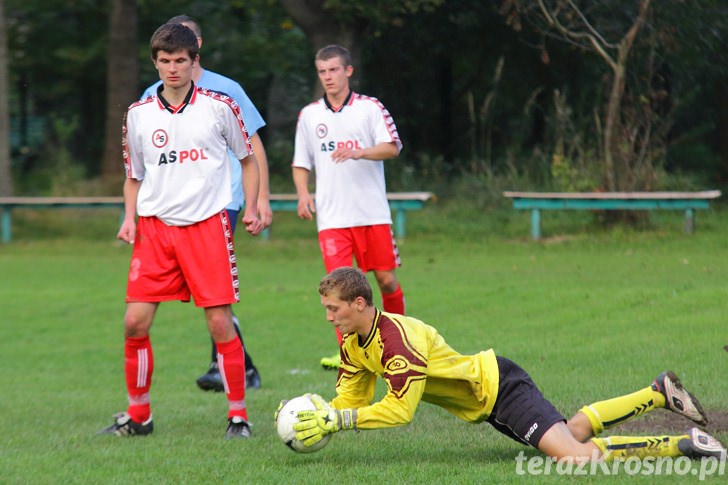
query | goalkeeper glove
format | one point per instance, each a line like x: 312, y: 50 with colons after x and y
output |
x: 313, y: 425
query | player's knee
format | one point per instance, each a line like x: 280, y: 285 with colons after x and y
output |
x: 559, y: 443
x: 221, y: 327
x: 580, y: 427
x: 387, y: 281
x: 136, y: 325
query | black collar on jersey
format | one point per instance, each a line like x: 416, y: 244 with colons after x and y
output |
x: 365, y: 342
x: 346, y: 101
x: 165, y: 104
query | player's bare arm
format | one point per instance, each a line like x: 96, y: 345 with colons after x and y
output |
x: 127, y: 231
x: 306, y: 206
x: 382, y: 151
x: 265, y: 213
x: 251, y: 184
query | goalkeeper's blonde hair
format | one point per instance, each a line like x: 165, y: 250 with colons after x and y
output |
x: 349, y: 283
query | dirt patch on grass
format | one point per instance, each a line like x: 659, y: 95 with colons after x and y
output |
x: 661, y: 421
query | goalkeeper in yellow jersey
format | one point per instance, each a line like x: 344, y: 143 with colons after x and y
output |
x: 418, y: 365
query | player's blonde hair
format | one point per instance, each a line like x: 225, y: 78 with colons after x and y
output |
x: 349, y: 283
x: 333, y: 50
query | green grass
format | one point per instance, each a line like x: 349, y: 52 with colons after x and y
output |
x: 589, y: 312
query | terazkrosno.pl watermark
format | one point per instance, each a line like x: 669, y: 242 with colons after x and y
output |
x: 657, y: 466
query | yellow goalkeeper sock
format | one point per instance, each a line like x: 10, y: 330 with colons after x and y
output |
x: 604, y: 414
x: 638, y: 446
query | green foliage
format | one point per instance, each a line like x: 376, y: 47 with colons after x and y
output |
x: 57, y: 64
x: 590, y: 316
x: 248, y: 41
x: 380, y: 12
x: 57, y: 171
x: 698, y: 159
x: 417, y: 57
x: 568, y: 176
x: 255, y: 43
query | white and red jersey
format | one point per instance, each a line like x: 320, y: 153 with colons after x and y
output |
x: 351, y: 193
x: 180, y: 154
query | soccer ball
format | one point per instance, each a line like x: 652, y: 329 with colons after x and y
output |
x: 288, y: 416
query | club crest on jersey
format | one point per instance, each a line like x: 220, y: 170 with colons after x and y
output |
x: 159, y: 138
x: 322, y: 130
x: 396, y: 365
x: 183, y: 156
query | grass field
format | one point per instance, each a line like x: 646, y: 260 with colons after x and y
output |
x: 590, y: 313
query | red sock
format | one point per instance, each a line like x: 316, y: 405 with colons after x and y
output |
x: 394, y: 302
x: 231, y: 362
x: 138, y: 368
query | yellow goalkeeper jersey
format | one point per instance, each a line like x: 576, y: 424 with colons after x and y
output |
x: 417, y: 365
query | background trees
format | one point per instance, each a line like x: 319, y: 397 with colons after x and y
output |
x: 6, y: 187
x: 122, y: 77
x: 472, y: 95
x: 626, y: 135
x: 57, y: 89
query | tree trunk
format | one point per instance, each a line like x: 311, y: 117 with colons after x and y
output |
x: 122, y: 77
x: 6, y: 180
x: 721, y: 100
x: 323, y: 29
x: 282, y: 110
x: 612, y: 120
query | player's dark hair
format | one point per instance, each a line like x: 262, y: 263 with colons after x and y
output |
x: 187, y: 21
x: 174, y: 38
x: 333, y: 50
x: 349, y: 283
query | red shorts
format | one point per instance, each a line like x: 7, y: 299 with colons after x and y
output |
x: 174, y: 262
x: 373, y: 247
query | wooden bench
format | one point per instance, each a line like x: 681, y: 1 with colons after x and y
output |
x: 538, y: 201
x: 399, y: 202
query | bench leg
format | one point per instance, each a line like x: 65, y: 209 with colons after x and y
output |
x: 400, y: 223
x: 689, y: 221
x: 536, y: 224
x: 7, y: 230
